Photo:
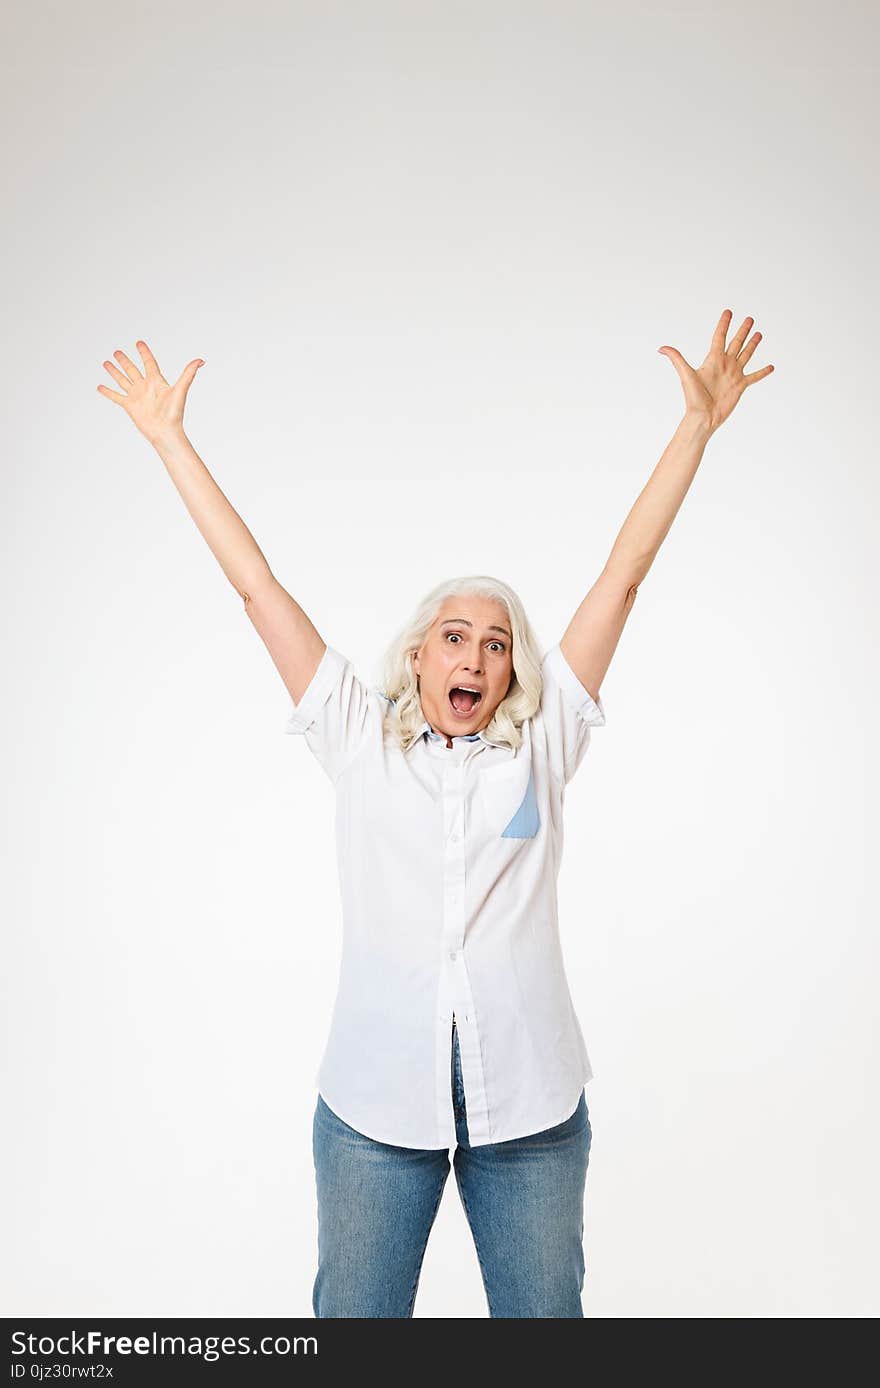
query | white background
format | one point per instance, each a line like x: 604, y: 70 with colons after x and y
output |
x: 428, y: 252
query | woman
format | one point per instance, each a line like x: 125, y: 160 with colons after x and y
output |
x: 453, y: 1026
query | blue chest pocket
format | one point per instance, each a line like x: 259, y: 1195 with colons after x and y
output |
x: 526, y: 822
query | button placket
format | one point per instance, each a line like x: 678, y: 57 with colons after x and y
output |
x: 454, y: 881
x: 455, y: 998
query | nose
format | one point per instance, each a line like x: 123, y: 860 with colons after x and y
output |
x: 474, y: 666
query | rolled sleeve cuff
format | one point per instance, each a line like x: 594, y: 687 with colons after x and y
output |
x: 318, y: 691
x: 591, y: 710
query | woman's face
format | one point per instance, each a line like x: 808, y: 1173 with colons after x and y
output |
x: 469, y: 644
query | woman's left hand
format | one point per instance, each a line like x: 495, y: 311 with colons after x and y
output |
x: 712, y: 391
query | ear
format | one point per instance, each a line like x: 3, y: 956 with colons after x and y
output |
x: 416, y: 661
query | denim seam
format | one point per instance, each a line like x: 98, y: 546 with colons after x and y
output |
x: 415, y: 1286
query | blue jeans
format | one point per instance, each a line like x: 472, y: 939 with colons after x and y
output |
x: 523, y: 1199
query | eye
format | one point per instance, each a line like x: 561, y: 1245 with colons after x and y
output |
x: 500, y: 645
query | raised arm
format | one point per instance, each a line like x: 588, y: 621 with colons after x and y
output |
x: 711, y: 392
x: 156, y: 408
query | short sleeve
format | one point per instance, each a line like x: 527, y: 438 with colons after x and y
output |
x: 335, y: 714
x: 568, y: 712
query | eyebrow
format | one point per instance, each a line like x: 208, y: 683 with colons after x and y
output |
x: 463, y: 622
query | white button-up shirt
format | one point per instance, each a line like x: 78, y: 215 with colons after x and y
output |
x: 448, y: 861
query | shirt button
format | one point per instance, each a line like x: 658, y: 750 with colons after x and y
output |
x: 455, y: 836
x: 453, y: 955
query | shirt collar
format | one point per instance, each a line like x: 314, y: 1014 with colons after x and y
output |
x: 427, y: 730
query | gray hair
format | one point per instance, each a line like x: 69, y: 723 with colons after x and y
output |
x: 399, y: 682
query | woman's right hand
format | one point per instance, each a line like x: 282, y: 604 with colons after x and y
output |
x: 154, y: 406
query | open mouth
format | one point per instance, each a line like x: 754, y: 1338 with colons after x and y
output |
x: 464, y: 701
